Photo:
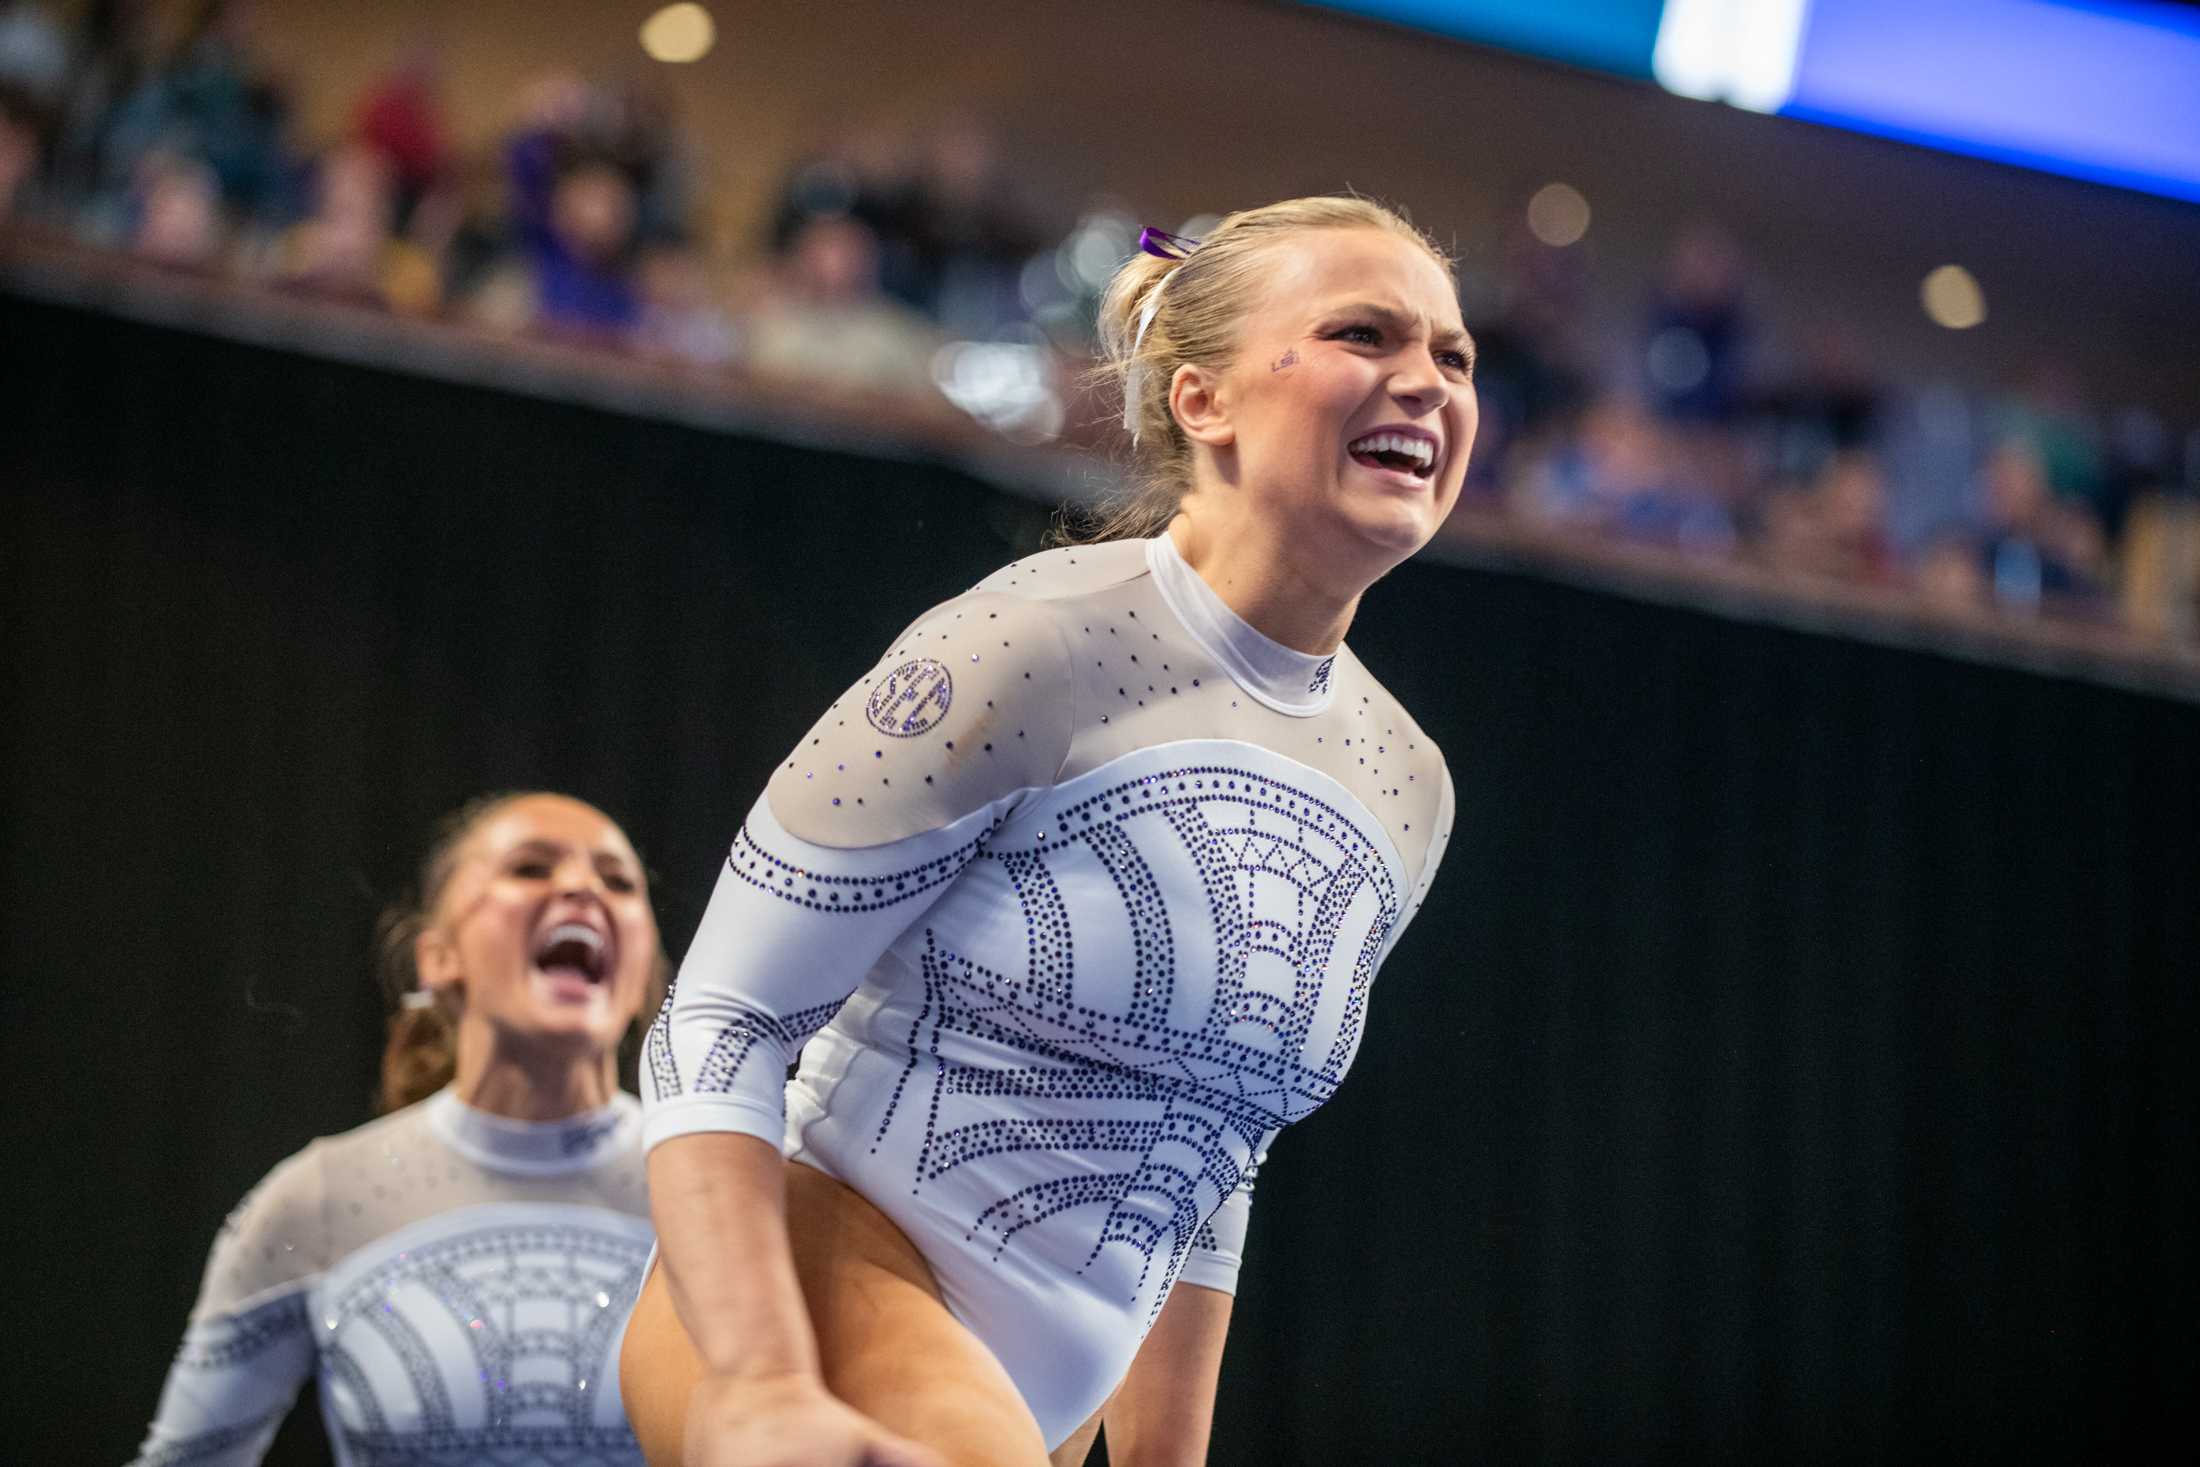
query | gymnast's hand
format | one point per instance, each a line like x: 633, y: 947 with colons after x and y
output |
x: 788, y: 1421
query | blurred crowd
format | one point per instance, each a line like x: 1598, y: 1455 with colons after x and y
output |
x: 1696, y: 431
x: 922, y: 265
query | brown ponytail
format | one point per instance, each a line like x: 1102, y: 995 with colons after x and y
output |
x: 419, y: 1058
x: 421, y: 1054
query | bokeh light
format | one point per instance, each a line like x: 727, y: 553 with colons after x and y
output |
x: 679, y: 33
x: 1952, y: 297
x: 1558, y: 215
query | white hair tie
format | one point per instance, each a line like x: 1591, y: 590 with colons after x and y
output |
x: 1166, y: 246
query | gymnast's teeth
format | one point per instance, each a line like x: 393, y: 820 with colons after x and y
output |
x: 573, y: 945
x: 1420, y: 450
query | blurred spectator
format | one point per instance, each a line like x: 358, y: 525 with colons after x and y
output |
x: 575, y: 216
x: 214, y: 102
x: 1624, y: 472
x: 1527, y: 365
x: 871, y: 178
x: 641, y: 133
x: 1836, y: 529
x: 34, y: 71
x: 1582, y: 477
x: 2048, y: 412
x: 346, y: 247
x: 34, y: 55
x: 2032, y: 547
x: 824, y: 318
x: 1827, y: 406
x: 110, y: 56
x: 1949, y: 576
x: 1926, y: 440
x: 584, y: 258
x: 1685, y: 512
x: 401, y: 117
x: 945, y: 215
x: 178, y: 214
x: 973, y: 232
x: 593, y: 178
x: 2161, y: 572
x: 1698, y: 330
x: 462, y: 226
x: 682, y: 317
x: 19, y: 152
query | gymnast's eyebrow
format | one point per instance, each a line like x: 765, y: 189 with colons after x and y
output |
x: 606, y: 859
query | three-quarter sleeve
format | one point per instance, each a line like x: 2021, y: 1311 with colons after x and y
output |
x: 249, y: 1345
x: 882, y: 803
x: 1218, y: 1250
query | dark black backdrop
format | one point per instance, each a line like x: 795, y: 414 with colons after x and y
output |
x: 1795, y: 1062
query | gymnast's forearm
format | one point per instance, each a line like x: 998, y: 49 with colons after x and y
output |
x: 719, y: 1199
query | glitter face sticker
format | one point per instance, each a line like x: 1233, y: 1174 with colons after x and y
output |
x: 911, y: 700
x: 1287, y: 360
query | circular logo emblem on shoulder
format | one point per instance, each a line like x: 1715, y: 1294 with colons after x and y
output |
x: 911, y: 700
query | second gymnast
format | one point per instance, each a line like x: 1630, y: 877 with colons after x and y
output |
x: 1081, y: 892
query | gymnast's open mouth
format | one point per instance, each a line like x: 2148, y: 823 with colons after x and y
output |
x: 1406, y: 451
x: 576, y: 949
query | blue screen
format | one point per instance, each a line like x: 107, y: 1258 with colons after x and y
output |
x: 2101, y: 91
x: 1606, y: 35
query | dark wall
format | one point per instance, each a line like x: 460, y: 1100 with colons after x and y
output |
x: 1794, y: 1063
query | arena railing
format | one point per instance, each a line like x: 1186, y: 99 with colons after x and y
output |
x: 892, y: 427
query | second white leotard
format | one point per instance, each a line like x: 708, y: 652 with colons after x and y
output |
x: 456, y: 1281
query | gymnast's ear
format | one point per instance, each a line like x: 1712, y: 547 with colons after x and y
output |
x: 1201, y: 406
x: 435, y: 959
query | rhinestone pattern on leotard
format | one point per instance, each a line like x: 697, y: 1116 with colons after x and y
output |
x: 238, y: 1339
x: 208, y: 1445
x: 538, y: 1305
x: 1169, y: 1091
x: 827, y: 892
x: 721, y: 1070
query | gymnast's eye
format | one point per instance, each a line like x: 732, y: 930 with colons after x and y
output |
x: 1361, y: 334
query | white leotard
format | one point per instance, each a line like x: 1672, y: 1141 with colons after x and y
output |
x: 1081, y: 891
x: 458, y: 1283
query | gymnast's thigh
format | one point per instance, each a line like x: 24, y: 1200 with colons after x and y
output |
x: 658, y: 1370
x: 888, y: 1345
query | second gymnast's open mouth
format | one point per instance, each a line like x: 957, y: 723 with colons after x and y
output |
x: 575, y: 949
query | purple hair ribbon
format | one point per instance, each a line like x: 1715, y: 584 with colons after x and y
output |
x: 1164, y: 245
